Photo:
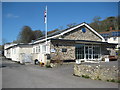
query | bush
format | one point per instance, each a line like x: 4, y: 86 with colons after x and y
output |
x: 48, y: 66
x: 112, y: 80
x: 103, y: 59
x: 85, y: 76
x: 118, y: 81
x: 98, y: 78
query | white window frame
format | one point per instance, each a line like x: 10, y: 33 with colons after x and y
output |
x: 43, y: 48
x: 39, y: 48
x: 34, y: 50
x: 99, y: 55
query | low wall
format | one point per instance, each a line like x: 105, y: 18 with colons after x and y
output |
x: 97, y: 72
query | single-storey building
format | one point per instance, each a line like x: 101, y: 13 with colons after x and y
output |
x: 80, y: 42
x: 18, y: 52
x: 77, y: 43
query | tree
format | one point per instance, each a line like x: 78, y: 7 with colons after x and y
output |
x: 105, y: 24
x: 1, y: 47
x: 71, y: 25
x: 97, y: 23
x: 15, y: 41
x: 26, y: 35
x: 60, y: 28
x: 96, y: 19
x: 118, y: 22
x: 37, y: 34
x: 53, y: 31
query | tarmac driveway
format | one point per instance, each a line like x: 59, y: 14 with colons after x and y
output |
x: 31, y: 76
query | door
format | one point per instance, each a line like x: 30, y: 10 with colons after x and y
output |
x: 88, y: 52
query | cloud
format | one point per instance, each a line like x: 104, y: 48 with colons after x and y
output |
x: 10, y: 15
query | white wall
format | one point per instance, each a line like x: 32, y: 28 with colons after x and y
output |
x: 23, y: 52
x: 8, y: 50
x: 114, y: 40
x: 15, y: 52
x: 40, y: 54
x: 25, y: 49
x: 37, y: 51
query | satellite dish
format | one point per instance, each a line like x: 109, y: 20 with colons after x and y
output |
x: 83, y: 30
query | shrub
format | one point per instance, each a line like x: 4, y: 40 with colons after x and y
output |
x: 112, y: 80
x: 98, y: 78
x: 103, y: 59
x: 48, y: 66
x: 118, y: 81
x: 85, y: 76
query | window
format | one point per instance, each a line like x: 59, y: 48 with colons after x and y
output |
x: 64, y: 50
x: 43, y: 48
x: 105, y: 39
x: 36, y: 50
x: 114, y: 38
x: 118, y: 33
x: 114, y: 33
x: 96, y: 52
x: 89, y: 52
x: 33, y: 50
x: 105, y: 35
x: 14, y: 50
x: 39, y: 48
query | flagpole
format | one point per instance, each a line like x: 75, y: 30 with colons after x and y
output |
x: 46, y: 29
x: 46, y: 25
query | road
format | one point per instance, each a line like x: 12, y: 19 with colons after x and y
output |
x: 15, y: 75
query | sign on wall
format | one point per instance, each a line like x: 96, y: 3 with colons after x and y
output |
x: 52, y: 50
x: 83, y: 30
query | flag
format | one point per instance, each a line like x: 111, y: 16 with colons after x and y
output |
x: 45, y: 15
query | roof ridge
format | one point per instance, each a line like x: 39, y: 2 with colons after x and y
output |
x: 58, y: 32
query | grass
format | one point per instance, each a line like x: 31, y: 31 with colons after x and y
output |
x: 112, y: 80
x: 85, y: 76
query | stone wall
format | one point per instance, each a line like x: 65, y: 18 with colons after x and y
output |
x: 97, y: 72
x: 79, y: 35
x: 58, y: 54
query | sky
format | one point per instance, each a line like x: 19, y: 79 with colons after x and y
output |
x: 15, y: 15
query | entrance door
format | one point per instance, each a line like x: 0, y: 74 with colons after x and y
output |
x: 87, y: 52
x: 90, y: 53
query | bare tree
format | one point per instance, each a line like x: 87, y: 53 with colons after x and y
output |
x: 71, y: 25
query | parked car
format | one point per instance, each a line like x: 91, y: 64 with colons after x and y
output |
x: 113, y: 58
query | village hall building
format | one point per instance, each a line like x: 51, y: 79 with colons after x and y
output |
x: 80, y: 42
